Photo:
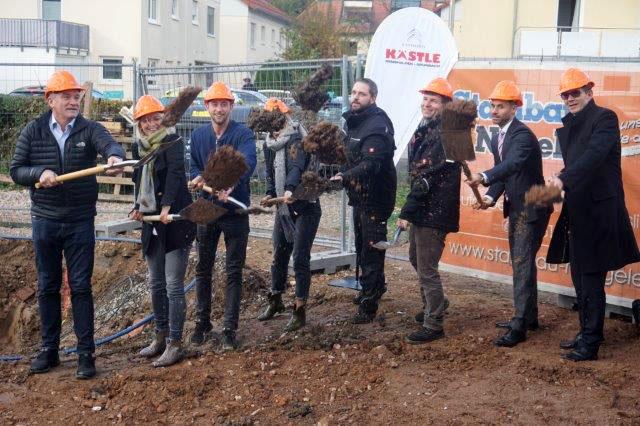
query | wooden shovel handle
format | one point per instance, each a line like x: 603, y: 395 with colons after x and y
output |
x: 156, y: 218
x: 208, y: 189
x: 467, y: 173
x: 273, y: 201
x: 80, y: 173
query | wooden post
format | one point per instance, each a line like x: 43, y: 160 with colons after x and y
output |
x: 88, y: 99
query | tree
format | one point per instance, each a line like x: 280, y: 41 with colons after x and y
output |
x: 314, y: 36
x: 292, y: 7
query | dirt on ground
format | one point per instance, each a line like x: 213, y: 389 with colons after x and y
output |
x: 329, y: 372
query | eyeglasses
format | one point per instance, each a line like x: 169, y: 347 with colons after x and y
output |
x: 575, y: 93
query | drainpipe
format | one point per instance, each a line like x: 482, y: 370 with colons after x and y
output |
x: 514, y: 28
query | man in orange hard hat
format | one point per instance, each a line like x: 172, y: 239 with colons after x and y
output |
x: 432, y: 209
x: 63, y: 141
x: 518, y: 166
x: 205, y: 140
x: 593, y: 232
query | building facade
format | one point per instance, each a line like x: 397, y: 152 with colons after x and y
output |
x: 111, y: 34
x: 252, y: 31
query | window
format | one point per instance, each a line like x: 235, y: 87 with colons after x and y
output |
x: 111, y: 69
x: 51, y: 10
x: 153, y: 11
x: 263, y: 34
x: 253, y: 36
x: 568, y: 14
x: 175, y: 11
x: 273, y: 38
x: 211, y: 16
x: 281, y: 39
x: 194, y: 11
x: 152, y: 63
x: 169, y: 63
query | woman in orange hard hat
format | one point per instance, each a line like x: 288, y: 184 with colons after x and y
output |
x: 296, y: 221
x: 161, y: 189
x: 432, y: 209
x: 593, y: 232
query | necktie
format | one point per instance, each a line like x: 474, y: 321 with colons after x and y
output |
x: 500, y: 142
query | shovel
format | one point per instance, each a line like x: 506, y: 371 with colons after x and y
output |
x: 201, y: 212
x: 104, y: 167
x: 306, y: 193
x: 244, y: 209
x: 384, y: 245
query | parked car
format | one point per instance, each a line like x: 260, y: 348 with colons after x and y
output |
x: 38, y: 90
x: 245, y: 100
x: 284, y: 95
x: 331, y: 111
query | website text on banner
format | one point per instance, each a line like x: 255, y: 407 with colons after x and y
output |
x: 410, y: 48
x: 481, y: 244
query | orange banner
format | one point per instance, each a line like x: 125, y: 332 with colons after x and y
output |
x: 481, y: 247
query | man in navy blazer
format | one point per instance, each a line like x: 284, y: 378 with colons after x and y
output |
x: 518, y: 166
x: 593, y: 232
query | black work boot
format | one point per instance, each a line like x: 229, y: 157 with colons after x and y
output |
x: 229, y: 342
x: 298, y: 319
x: 356, y: 300
x: 45, y: 361
x: 275, y: 307
x: 86, y: 367
x: 363, y: 316
x: 424, y: 335
x: 200, y: 332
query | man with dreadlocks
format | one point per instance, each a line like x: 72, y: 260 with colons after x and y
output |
x: 432, y: 208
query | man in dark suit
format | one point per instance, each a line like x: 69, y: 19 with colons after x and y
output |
x: 593, y: 232
x: 518, y: 166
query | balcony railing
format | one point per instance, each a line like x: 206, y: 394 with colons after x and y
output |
x: 576, y: 42
x: 60, y: 35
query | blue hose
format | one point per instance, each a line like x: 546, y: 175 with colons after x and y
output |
x: 104, y: 340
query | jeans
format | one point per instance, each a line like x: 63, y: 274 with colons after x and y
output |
x: 77, y: 241
x: 306, y: 225
x: 236, y: 234
x: 425, y: 250
x: 525, y: 239
x: 166, y: 282
x: 369, y: 228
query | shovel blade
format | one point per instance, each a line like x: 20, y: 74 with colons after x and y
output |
x: 346, y: 282
x: 202, y: 212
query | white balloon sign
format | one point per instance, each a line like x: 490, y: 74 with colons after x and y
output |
x: 410, y: 48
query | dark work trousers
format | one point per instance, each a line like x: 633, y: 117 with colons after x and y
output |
x: 425, y: 250
x: 592, y: 302
x: 306, y: 226
x: 235, y: 228
x: 525, y: 239
x: 77, y: 241
x: 369, y: 228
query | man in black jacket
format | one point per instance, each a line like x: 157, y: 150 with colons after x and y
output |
x: 369, y: 178
x: 518, y: 166
x: 593, y: 232
x: 432, y: 208
x: 63, y: 141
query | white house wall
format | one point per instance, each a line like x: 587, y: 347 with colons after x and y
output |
x: 234, y: 34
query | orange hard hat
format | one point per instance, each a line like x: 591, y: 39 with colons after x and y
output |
x: 219, y: 90
x: 274, y: 103
x: 147, y: 104
x: 574, y: 78
x: 60, y: 81
x: 506, y: 90
x: 439, y: 86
